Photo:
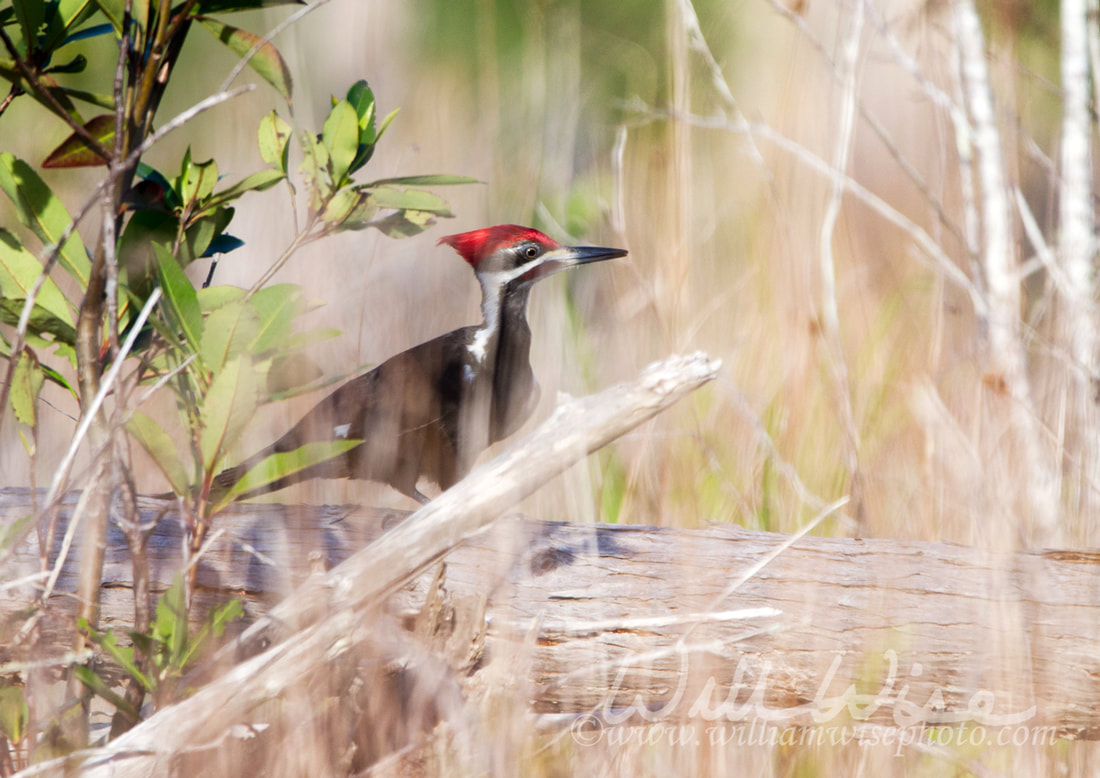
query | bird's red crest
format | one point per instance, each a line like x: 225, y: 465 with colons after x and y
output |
x: 475, y: 245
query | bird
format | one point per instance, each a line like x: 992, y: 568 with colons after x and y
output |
x: 431, y: 410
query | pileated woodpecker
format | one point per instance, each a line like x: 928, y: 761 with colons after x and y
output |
x: 431, y: 410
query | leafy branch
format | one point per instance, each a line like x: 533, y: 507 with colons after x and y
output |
x: 221, y: 350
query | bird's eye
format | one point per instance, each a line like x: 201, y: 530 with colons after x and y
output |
x: 531, y: 252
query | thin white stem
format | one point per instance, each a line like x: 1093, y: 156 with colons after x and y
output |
x: 747, y: 574
x: 181, y: 119
x: 278, y: 28
x: 62, y: 474
x: 830, y: 315
x: 923, y: 241
x: 1042, y: 249
x: 1005, y: 355
x: 159, y: 383
x: 66, y: 542
x: 1077, y: 246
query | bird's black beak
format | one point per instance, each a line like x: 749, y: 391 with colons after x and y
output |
x: 566, y: 257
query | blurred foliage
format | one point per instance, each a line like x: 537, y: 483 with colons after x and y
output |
x: 222, y: 350
x: 220, y: 344
x: 169, y: 644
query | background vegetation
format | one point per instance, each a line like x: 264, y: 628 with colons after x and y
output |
x: 880, y: 216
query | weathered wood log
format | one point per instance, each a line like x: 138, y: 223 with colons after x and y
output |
x: 604, y: 615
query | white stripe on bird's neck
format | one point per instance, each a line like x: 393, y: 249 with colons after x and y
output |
x: 492, y: 294
x: 492, y: 301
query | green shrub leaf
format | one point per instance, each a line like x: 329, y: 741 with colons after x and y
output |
x: 179, y: 296
x: 227, y: 333
x: 74, y: 151
x: 226, y: 410
x: 274, y: 137
x: 276, y: 466
x: 267, y: 61
x: 19, y: 271
x: 26, y: 384
x: 44, y: 214
x: 161, y: 449
x: 410, y: 199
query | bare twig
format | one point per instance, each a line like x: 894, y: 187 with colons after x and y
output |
x: 1077, y: 246
x: 830, y: 315
x: 933, y: 93
x: 266, y: 39
x: 182, y: 118
x: 941, y: 261
x: 62, y: 473
x: 1005, y: 355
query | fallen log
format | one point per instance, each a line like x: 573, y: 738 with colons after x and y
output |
x: 609, y: 614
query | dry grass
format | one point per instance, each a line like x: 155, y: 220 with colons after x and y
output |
x: 901, y: 405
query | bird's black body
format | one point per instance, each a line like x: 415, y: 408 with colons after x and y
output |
x: 429, y: 411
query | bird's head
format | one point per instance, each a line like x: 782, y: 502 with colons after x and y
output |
x: 509, y: 253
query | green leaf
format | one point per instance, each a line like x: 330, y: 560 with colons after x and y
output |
x: 161, y: 449
x: 274, y: 467
x: 216, y: 296
x: 123, y: 656
x: 315, y: 161
x: 52, y: 375
x: 100, y: 688
x: 26, y: 384
x: 429, y: 180
x: 70, y: 15
x: 228, y: 6
x: 113, y: 10
x: 216, y: 621
x: 197, y: 239
x: 197, y: 180
x: 227, y: 333
x: 223, y: 615
x: 13, y: 531
x: 341, y: 207
x: 274, y: 137
x: 98, y: 100
x: 19, y: 271
x: 386, y: 122
x: 76, y: 65
x: 410, y: 199
x: 41, y: 325
x: 257, y: 182
x: 202, y: 232
x: 43, y: 213
x: 136, y: 256
x: 179, y: 296
x: 289, y: 373
x: 404, y: 224
x: 171, y: 623
x: 32, y: 17
x: 15, y: 714
x: 276, y: 307
x: 75, y: 152
x: 341, y: 138
x: 226, y: 410
x: 267, y: 61
x: 361, y: 98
